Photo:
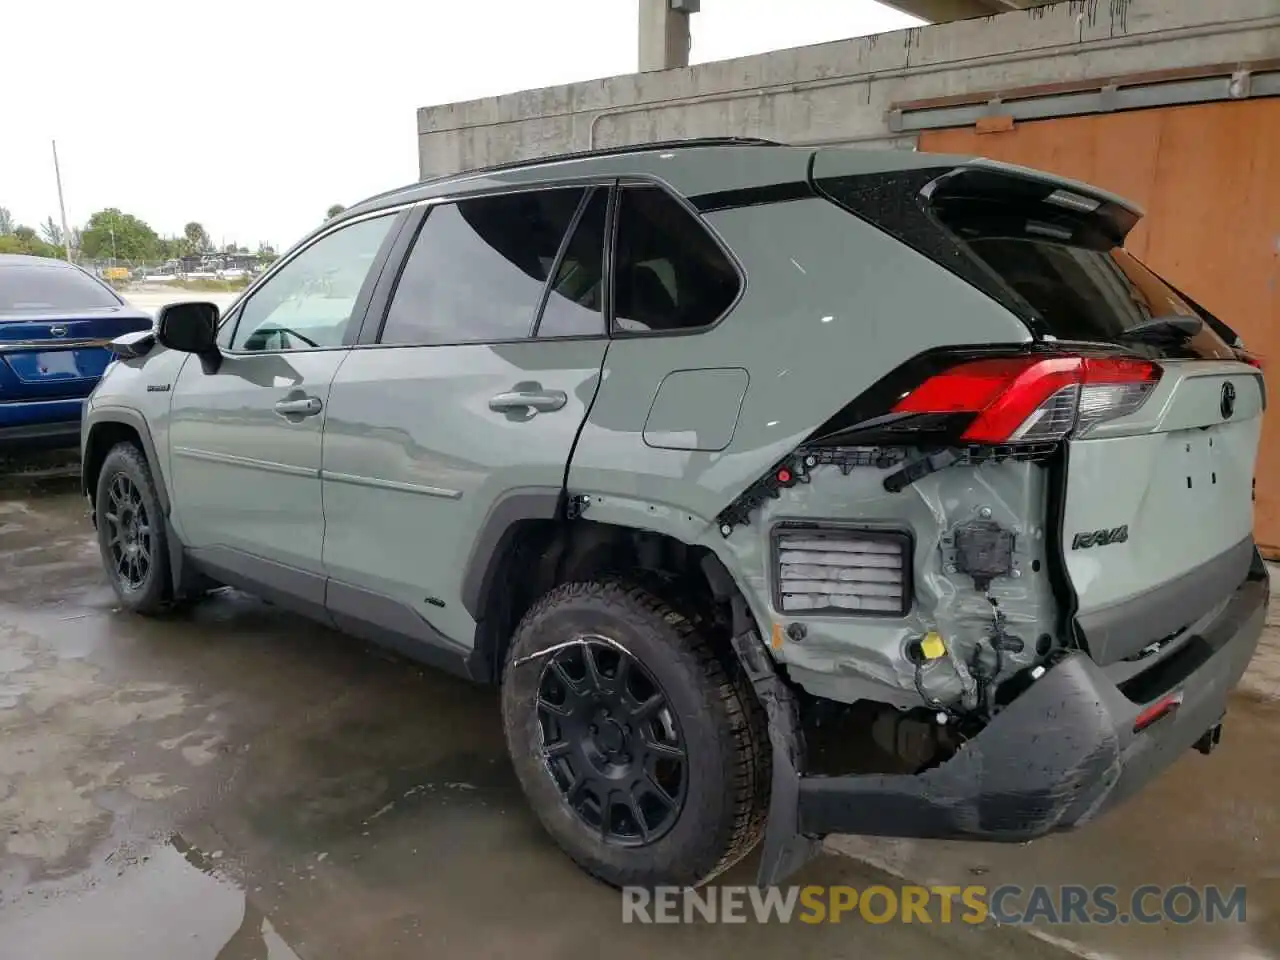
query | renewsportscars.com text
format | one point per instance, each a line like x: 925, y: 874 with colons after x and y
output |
x: 1007, y: 904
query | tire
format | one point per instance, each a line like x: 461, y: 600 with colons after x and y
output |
x: 135, y: 555
x: 722, y: 791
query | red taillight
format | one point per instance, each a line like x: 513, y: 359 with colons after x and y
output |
x: 1158, y: 710
x: 1034, y: 399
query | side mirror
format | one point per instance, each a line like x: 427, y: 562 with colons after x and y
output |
x: 191, y: 327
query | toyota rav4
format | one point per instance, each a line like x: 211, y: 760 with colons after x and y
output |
x: 784, y: 491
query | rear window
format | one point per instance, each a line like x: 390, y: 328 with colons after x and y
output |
x: 40, y: 289
x: 1054, y: 258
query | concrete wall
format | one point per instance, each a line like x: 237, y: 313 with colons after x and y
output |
x: 839, y: 93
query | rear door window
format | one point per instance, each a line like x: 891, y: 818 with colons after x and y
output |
x: 478, y: 267
x: 670, y: 275
x: 50, y: 288
x: 575, y: 300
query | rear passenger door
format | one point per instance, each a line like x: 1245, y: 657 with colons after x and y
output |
x: 463, y: 407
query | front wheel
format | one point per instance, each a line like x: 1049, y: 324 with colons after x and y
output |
x: 131, y: 531
x: 645, y: 759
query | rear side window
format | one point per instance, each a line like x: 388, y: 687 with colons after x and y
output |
x: 478, y: 267
x: 575, y: 301
x: 40, y: 288
x: 669, y: 273
x: 1054, y: 258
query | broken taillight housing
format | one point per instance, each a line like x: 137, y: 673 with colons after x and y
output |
x: 1033, y: 399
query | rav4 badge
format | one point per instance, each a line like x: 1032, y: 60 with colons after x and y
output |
x: 1100, y: 538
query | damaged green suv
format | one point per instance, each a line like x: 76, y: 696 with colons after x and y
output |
x: 784, y: 492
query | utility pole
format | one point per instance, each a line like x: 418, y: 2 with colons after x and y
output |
x: 62, y: 210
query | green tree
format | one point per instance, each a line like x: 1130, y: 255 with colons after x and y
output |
x: 333, y: 211
x: 25, y: 240
x: 51, y: 231
x: 110, y: 233
x: 197, y: 240
x: 6, y: 222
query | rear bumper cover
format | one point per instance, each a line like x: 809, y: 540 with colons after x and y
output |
x: 1058, y: 755
x: 40, y: 422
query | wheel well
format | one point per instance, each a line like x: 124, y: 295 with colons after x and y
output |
x: 535, y: 556
x: 102, y: 438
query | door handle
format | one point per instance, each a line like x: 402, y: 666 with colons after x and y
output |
x: 539, y: 401
x: 300, y: 407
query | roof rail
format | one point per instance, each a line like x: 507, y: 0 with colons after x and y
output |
x: 583, y: 155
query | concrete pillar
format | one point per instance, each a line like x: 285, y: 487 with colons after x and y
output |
x: 664, y: 33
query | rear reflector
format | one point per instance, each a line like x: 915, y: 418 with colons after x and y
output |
x: 1030, y: 399
x: 1252, y: 359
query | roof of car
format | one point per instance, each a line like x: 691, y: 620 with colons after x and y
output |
x: 580, y: 159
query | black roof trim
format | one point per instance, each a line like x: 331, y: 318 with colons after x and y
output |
x: 578, y: 155
x: 752, y: 196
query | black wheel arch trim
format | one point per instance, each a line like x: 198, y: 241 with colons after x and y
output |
x: 487, y: 552
x: 133, y: 419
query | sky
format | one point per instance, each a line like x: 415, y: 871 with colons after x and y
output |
x: 254, y: 116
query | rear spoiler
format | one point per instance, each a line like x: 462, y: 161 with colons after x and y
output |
x: 131, y: 346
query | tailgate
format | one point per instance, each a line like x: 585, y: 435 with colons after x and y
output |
x: 1157, y: 508
x: 1158, y: 514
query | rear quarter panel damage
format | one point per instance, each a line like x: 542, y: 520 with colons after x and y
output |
x: 831, y: 304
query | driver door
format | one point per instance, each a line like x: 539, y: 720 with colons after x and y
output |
x: 244, y: 441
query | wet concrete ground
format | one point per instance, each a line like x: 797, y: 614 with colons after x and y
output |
x: 239, y: 783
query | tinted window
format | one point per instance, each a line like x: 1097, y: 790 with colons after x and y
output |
x: 309, y: 301
x: 669, y: 274
x: 40, y: 288
x: 478, y: 268
x: 575, y: 300
x: 1063, y: 270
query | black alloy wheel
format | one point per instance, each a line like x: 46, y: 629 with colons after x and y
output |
x: 611, y: 741
x: 129, y: 535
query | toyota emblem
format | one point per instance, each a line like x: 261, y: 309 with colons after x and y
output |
x: 58, y: 331
x: 1228, y: 403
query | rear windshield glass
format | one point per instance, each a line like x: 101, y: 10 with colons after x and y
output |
x: 26, y: 289
x: 1063, y: 271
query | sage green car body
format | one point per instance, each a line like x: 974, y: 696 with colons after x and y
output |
x: 387, y: 506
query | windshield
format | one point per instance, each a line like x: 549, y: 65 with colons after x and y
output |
x: 45, y: 289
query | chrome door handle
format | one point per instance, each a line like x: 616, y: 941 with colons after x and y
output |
x: 540, y: 401
x: 301, y: 407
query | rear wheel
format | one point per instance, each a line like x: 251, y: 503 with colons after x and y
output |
x: 645, y: 759
x: 131, y: 531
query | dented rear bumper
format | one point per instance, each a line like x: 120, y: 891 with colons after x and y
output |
x: 1058, y: 755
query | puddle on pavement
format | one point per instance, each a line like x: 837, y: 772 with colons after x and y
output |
x: 173, y: 905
